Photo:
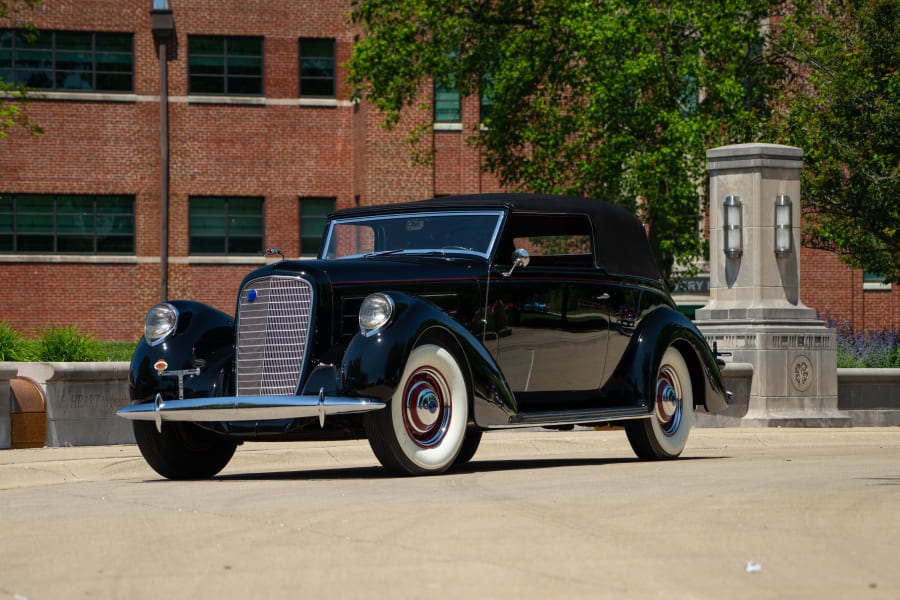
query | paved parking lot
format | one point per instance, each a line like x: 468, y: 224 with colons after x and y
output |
x: 746, y: 513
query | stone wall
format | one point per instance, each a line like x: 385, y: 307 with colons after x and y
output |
x: 81, y: 400
x: 870, y: 396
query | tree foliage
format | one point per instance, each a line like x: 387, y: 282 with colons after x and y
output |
x: 13, y: 96
x: 617, y: 99
x: 843, y: 109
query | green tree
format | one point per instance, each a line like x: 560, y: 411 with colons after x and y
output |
x: 14, y: 96
x: 843, y: 109
x: 617, y: 99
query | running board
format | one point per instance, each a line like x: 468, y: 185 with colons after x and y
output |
x: 247, y: 408
x: 577, y: 417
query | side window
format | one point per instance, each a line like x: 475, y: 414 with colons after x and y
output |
x: 553, y: 240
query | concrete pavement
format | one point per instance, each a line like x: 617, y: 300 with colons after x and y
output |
x: 746, y: 513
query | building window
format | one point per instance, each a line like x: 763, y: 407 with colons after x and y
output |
x: 68, y: 60
x: 73, y: 224
x: 313, y: 214
x: 874, y: 281
x: 447, y: 106
x: 487, y: 98
x: 225, y: 65
x: 232, y: 225
x: 317, y: 68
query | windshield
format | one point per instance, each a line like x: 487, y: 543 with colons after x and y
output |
x: 413, y: 233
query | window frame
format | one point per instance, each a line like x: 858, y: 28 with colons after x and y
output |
x: 875, y: 282
x: 20, y: 47
x: 300, y: 76
x: 437, y: 112
x: 193, y: 78
x: 227, y: 237
x: 56, y: 217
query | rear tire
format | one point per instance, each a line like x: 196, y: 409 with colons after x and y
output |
x: 421, y: 431
x: 665, y: 433
x: 183, y: 450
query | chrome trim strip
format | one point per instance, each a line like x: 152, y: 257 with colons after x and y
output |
x: 248, y: 408
x: 576, y: 417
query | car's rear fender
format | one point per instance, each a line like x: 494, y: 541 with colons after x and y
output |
x: 633, y: 379
x: 373, y: 366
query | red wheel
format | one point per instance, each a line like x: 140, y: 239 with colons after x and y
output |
x: 426, y: 407
x: 422, y: 430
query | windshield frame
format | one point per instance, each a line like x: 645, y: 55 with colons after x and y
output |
x: 338, y: 220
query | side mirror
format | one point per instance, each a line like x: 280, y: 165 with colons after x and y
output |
x: 519, y: 258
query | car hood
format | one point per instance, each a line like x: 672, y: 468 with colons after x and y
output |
x: 452, y: 284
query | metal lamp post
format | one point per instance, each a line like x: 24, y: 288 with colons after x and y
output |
x: 162, y: 24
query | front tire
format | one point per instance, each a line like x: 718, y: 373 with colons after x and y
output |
x: 183, y: 450
x: 421, y: 432
x: 665, y: 433
x: 469, y: 447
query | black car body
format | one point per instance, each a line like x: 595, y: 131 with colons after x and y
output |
x: 422, y: 325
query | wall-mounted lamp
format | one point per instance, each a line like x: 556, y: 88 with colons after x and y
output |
x: 783, y: 245
x: 734, y: 245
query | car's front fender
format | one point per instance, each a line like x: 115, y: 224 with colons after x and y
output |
x: 373, y: 366
x: 203, y: 339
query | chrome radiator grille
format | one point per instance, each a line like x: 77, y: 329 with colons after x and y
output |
x: 273, y: 328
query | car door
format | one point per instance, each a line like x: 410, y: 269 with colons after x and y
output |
x: 548, y: 323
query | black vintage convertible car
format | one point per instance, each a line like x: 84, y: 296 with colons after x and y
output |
x: 422, y: 325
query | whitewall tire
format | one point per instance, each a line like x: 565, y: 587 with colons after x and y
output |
x: 422, y: 430
x: 665, y: 433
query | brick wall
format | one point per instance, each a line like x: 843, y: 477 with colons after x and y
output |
x: 277, y: 148
x: 837, y: 292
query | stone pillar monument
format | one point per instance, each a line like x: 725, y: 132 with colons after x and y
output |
x: 754, y: 309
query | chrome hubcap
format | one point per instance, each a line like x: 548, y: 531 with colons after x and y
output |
x: 668, y: 400
x: 426, y: 407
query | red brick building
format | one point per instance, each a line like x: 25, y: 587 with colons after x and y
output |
x: 263, y: 141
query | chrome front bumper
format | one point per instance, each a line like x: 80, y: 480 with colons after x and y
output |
x: 247, y: 408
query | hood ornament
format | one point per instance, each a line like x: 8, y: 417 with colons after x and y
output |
x: 274, y: 251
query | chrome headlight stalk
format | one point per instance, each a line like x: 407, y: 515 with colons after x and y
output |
x: 375, y: 313
x: 161, y: 321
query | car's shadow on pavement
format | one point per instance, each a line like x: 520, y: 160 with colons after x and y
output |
x: 472, y: 468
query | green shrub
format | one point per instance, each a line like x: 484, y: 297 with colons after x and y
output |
x: 12, y: 346
x: 117, y: 351
x: 67, y: 344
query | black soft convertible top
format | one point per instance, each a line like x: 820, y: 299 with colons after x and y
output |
x: 621, y: 242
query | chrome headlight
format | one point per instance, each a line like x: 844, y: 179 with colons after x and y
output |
x: 375, y: 313
x: 160, y: 323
